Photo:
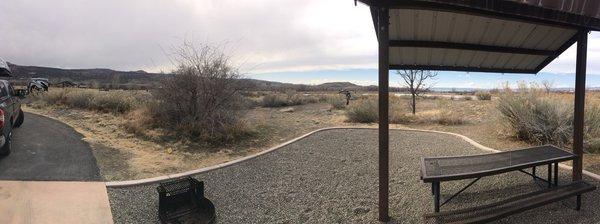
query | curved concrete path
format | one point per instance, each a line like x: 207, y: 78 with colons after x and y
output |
x: 330, y: 176
x: 46, y: 149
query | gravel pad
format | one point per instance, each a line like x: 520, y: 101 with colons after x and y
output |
x: 331, y: 177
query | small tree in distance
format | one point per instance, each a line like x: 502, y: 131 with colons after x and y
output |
x: 415, y: 82
x: 548, y: 85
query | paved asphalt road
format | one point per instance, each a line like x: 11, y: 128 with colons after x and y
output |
x: 46, y: 149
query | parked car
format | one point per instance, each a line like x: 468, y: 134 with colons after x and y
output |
x: 11, y: 115
x: 38, y: 85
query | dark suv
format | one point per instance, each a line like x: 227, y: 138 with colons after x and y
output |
x: 11, y: 115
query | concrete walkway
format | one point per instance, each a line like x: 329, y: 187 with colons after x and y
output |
x: 331, y: 177
x: 24, y: 202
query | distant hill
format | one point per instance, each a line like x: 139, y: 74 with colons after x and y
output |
x: 85, y: 76
x: 256, y: 84
x: 108, y: 78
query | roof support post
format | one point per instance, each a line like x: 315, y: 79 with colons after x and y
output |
x: 383, y: 37
x: 578, y: 122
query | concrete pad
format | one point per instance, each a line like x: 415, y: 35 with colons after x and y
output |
x: 54, y: 202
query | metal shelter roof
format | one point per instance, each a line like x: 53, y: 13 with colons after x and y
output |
x: 483, y: 35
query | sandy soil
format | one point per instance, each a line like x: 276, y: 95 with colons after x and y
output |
x: 124, y: 156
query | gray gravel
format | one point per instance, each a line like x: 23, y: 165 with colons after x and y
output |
x: 331, y: 177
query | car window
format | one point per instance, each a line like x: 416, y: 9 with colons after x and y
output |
x: 11, y: 90
x: 3, y: 90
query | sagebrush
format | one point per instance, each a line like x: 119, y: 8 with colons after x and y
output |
x: 541, y: 119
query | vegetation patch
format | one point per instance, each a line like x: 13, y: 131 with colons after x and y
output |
x: 481, y: 95
x: 539, y: 118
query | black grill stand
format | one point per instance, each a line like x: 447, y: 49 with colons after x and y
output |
x: 182, y: 201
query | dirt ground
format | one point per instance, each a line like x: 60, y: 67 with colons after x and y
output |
x: 124, y: 156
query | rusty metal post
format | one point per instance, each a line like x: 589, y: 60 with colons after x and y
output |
x: 383, y: 36
x: 579, y: 104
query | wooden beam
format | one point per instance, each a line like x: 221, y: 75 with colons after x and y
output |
x: 578, y: 120
x: 459, y: 68
x: 473, y: 47
x: 383, y: 36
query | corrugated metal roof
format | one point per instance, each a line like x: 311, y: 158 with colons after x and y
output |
x: 456, y: 28
x: 483, y: 35
x: 582, y: 7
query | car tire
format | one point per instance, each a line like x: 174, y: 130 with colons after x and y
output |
x: 20, y: 119
x: 5, y: 150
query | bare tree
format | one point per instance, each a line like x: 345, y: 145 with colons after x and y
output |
x: 201, y: 98
x: 416, y: 83
x: 548, y: 85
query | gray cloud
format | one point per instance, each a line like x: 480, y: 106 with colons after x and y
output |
x: 261, y: 35
x: 264, y: 35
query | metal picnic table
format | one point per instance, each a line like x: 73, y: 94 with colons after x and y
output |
x: 435, y: 170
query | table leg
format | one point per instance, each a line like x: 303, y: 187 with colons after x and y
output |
x: 436, y: 196
x: 550, y: 175
x: 555, y: 174
x: 533, y: 172
x: 432, y: 189
x: 578, y: 207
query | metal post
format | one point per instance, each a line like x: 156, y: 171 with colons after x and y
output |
x: 579, y: 104
x: 436, y: 196
x: 383, y: 36
x: 550, y: 175
x: 555, y: 174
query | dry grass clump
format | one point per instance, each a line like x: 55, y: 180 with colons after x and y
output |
x: 483, y: 95
x: 337, y: 102
x: 365, y: 110
x: 448, y: 118
x: 120, y: 101
x: 539, y: 118
x: 289, y: 99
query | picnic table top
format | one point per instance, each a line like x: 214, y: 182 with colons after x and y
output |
x: 473, y: 166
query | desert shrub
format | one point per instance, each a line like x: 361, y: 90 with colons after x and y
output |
x: 80, y: 99
x: 448, y: 118
x: 363, y: 111
x: 337, y: 102
x: 54, y: 97
x: 113, y: 101
x: 250, y: 103
x: 202, y: 99
x: 288, y: 99
x: 301, y: 99
x: 140, y: 120
x: 593, y: 146
x: 483, y: 95
x: 274, y: 100
x: 323, y: 98
x: 537, y: 120
x: 401, y: 117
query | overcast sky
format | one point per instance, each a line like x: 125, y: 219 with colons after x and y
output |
x: 263, y: 36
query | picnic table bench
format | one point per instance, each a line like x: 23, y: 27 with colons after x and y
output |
x: 435, y: 170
